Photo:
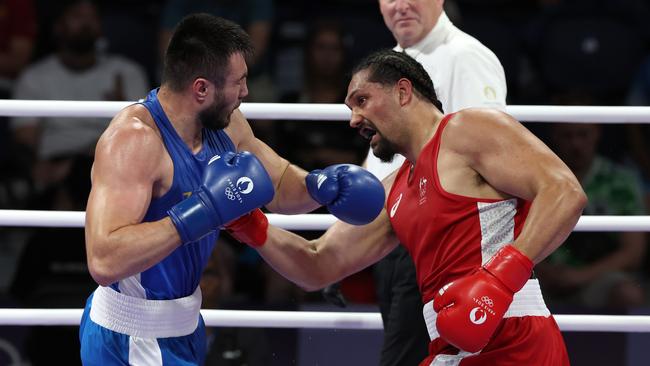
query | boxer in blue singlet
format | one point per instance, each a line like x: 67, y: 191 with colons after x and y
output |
x: 178, y: 275
x: 169, y: 173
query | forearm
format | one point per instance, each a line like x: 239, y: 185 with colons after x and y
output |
x: 295, y: 258
x: 291, y: 196
x: 130, y: 250
x: 553, y: 215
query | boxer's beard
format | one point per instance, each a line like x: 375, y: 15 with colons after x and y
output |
x: 385, y: 150
x: 217, y: 116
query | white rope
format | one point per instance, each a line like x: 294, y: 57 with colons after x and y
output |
x: 39, y: 218
x: 322, y: 320
x: 304, y: 111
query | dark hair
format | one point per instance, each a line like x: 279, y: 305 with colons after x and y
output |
x: 201, y: 46
x: 386, y: 67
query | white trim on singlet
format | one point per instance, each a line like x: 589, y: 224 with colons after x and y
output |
x: 497, y: 225
x: 131, y: 286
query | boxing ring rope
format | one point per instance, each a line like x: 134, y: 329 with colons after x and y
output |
x: 306, y: 319
x: 319, y: 320
x: 333, y: 112
x: 40, y: 218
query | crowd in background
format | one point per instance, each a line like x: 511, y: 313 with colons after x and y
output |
x: 555, y: 52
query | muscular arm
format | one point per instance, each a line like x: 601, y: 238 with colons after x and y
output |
x: 291, y: 196
x: 342, y: 250
x: 127, y: 164
x: 515, y: 162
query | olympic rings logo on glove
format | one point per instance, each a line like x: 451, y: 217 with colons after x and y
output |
x: 230, y: 194
x: 486, y: 300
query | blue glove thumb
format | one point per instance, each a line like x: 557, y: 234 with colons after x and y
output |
x: 322, y: 187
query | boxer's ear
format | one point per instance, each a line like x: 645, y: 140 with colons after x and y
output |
x: 405, y: 91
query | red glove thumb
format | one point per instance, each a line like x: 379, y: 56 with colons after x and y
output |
x: 250, y: 228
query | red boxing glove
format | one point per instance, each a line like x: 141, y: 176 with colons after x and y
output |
x: 470, y: 308
x: 250, y: 228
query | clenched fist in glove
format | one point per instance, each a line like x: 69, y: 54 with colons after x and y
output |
x: 470, y: 308
x: 351, y: 193
x: 232, y: 185
x: 249, y: 229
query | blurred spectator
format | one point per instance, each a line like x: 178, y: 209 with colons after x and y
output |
x: 52, y: 271
x: 17, y: 36
x: 315, y: 144
x: 577, y: 45
x: 596, y: 270
x: 130, y: 28
x: 76, y: 71
x: 255, y: 16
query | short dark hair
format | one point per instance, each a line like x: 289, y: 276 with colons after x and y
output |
x: 201, y: 46
x: 387, y: 66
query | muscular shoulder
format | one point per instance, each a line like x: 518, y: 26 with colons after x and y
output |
x: 470, y: 129
x: 132, y: 139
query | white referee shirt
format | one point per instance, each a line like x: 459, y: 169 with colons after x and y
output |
x: 465, y: 74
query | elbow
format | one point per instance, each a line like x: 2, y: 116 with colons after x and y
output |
x: 309, y: 287
x: 313, y: 280
x: 571, y: 196
x: 101, y: 269
x: 578, y: 197
x: 100, y: 273
x: 314, y: 285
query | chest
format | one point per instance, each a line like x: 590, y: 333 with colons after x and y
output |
x: 413, y: 201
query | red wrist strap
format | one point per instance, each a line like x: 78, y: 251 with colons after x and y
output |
x: 510, y: 266
x: 250, y: 228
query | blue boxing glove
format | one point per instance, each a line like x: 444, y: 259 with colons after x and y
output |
x: 350, y: 192
x: 232, y: 185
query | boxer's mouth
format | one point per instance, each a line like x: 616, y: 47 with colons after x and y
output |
x: 367, y: 132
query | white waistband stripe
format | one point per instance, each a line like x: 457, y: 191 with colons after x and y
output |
x: 145, y: 318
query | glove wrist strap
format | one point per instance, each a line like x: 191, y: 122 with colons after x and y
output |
x: 511, y: 267
x: 193, y: 218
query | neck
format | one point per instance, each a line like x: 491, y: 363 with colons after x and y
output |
x: 179, y: 109
x: 410, y: 42
x: 424, y: 121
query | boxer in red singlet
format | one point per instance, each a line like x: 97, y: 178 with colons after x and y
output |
x: 478, y: 201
